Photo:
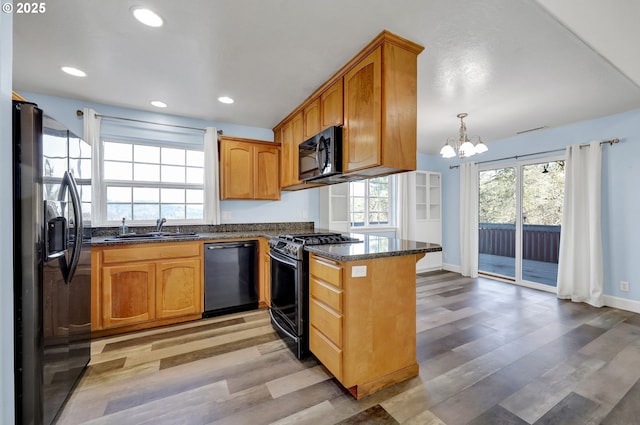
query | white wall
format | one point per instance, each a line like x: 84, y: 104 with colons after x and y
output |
x: 6, y: 217
x: 620, y: 191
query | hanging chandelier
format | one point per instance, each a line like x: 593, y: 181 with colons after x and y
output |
x: 462, y: 147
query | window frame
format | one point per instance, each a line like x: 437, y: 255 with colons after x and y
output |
x: 105, y: 183
x: 392, y: 191
x: 83, y: 183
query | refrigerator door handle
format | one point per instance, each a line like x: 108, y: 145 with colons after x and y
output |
x: 70, y: 182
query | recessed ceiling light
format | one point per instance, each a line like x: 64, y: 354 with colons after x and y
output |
x: 73, y: 71
x: 147, y: 16
x: 225, y: 99
x: 158, y: 104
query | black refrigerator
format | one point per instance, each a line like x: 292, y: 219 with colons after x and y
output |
x: 52, y: 263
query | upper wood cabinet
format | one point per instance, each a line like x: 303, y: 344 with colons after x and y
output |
x: 324, y: 111
x: 311, y: 116
x: 362, y: 114
x: 266, y: 175
x: 292, y: 134
x: 236, y: 170
x: 374, y: 96
x: 380, y: 112
x: 331, y: 106
x: 249, y: 169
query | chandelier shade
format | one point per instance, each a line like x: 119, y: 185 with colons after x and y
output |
x: 462, y: 146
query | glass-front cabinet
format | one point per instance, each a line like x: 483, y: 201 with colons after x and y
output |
x: 425, y: 214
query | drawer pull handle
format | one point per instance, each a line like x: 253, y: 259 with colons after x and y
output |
x: 325, y: 262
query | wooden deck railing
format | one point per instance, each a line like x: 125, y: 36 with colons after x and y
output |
x: 540, y: 243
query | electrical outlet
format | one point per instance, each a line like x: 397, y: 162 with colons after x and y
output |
x: 359, y: 271
x: 444, y: 255
x: 226, y: 215
x: 624, y: 286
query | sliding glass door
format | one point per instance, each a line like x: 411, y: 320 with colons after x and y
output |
x: 497, y: 222
x: 542, y: 197
x: 520, y: 218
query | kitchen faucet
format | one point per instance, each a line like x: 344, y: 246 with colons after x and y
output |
x: 159, y: 223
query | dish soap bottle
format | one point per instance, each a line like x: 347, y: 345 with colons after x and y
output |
x: 123, y: 227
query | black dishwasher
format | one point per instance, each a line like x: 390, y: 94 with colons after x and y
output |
x: 230, y: 277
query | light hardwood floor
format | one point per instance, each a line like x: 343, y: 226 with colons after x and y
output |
x: 489, y: 353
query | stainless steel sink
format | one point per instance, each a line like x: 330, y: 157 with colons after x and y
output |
x: 179, y: 235
x: 153, y: 235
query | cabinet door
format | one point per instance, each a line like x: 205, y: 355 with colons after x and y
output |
x: 297, y: 137
x: 267, y: 181
x: 96, y: 295
x: 362, y: 114
x: 311, y: 117
x: 128, y: 294
x: 292, y: 135
x: 265, y: 274
x: 286, y: 169
x: 178, y: 290
x: 331, y: 106
x: 236, y: 173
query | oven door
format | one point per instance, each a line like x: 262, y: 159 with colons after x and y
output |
x: 286, y: 275
x: 288, y: 304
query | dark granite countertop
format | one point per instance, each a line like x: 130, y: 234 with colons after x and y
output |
x: 106, y: 236
x: 373, y: 246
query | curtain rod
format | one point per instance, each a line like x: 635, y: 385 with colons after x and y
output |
x: 606, y: 142
x: 79, y: 113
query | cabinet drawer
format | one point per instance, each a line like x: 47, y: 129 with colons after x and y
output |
x: 152, y: 251
x: 326, y: 321
x: 326, y: 293
x: 328, y: 354
x: 326, y: 270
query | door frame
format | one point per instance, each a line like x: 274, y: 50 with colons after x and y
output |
x: 518, y: 165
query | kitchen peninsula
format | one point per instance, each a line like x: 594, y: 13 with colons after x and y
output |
x: 362, y: 310
x: 362, y: 299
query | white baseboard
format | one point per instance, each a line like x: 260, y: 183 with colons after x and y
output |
x: 609, y: 300
x: 622, y: 303
x: 427, y: 269
x: 456, y: 268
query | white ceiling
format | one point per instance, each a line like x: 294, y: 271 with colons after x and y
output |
x: 513, y: 65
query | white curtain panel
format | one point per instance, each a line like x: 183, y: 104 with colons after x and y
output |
x: 580, y: 259
x: 403, y: 205
x: 469, y: 219
x: 92, y: 136
x: 211, y: 186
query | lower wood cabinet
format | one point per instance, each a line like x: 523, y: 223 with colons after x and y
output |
x: 178, y: 288
x: 128, y: 294
x: 265, y: 274
x: 362, y: 322
x: 140, y: 286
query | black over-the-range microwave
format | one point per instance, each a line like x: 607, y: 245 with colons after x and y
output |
x: 320, y: 156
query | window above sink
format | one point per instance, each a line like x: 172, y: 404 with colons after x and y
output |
x: 144, y: 182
